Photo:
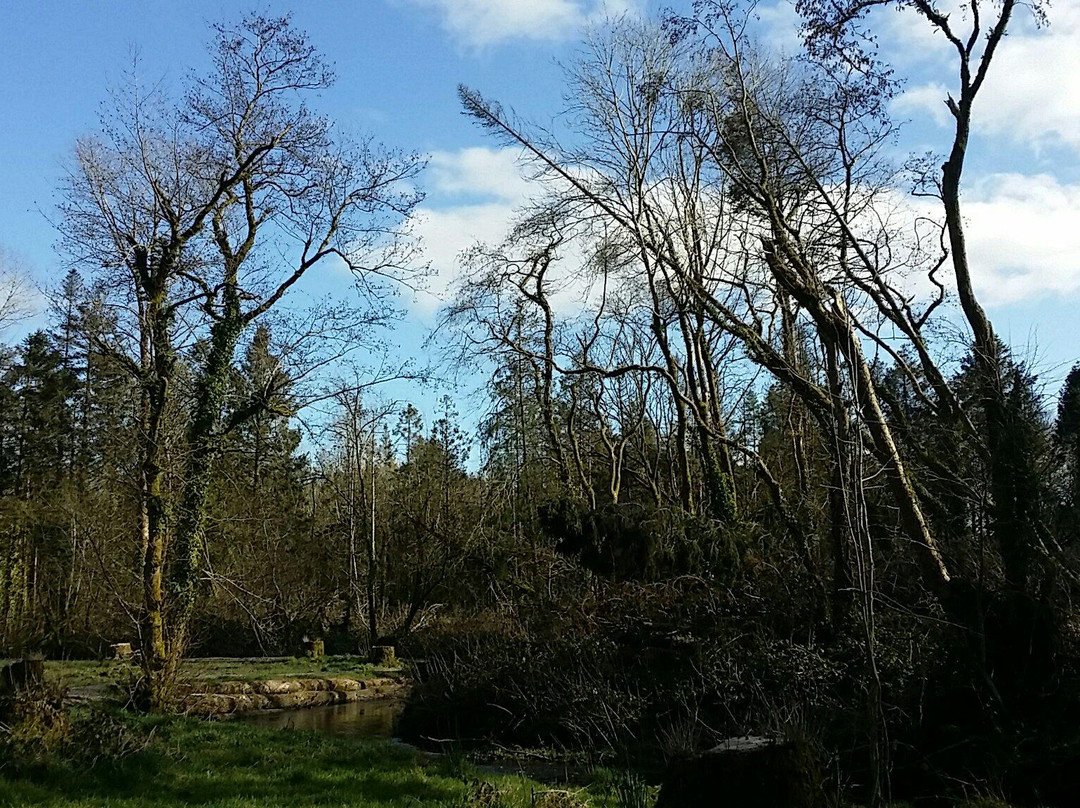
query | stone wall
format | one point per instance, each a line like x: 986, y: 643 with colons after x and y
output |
x: 220, y: 698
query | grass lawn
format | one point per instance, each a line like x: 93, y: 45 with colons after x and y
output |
x: 232, y: 765
x: 81, y: 673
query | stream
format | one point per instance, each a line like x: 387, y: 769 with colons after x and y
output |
x: 375, y: 719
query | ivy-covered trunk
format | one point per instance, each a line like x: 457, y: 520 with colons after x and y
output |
x: 171, y: 553
x: 158, y: 366
x: 203, y: 436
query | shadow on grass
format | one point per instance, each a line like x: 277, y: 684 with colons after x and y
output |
x: 224, y: 764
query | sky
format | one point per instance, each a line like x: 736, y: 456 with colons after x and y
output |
x: 399, y: 62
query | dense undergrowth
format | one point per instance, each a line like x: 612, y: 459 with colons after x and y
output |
x: 649, y: 673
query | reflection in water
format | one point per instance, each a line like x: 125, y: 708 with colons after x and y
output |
x: 375, y: 719
x: 359, y: 719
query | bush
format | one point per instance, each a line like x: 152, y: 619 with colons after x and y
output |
x: 33, y: 724
x: 483, y: 794
x: 635, y: 669
x: 36, y: 727
x: 100, y: 736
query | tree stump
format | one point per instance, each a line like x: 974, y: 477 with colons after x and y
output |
x: 314, y: 649
x: 745, y: 772
x: 122, y: 651
x: 384, y: 655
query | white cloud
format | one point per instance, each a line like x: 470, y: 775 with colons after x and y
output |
x: 446, y: 234
x: 910, y: 40
x: 781, y: 26
x: 493, y: 173
x: 1023, y: 237
x: 924, y: 99
x: 479, y: 191
x: 481, y: 188
x: 21, y: 299
x: 481, y: 23
x: 1030, y: 96
x: 1022, y: 230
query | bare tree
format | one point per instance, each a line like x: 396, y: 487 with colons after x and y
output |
x: 841, y: 34
x: 205, y: 214
x: 758, y: 203
x: 357, y: 461
x: 15, y: 290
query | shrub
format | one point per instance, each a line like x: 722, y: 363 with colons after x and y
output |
x: 483, y: 794
x: 33, y: 723
x: 100, y: 736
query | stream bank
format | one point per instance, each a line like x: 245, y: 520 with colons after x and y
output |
x: 222, y: 698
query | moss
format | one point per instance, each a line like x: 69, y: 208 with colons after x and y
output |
x: 83, y: 673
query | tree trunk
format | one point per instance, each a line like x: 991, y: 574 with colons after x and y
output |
x: 202, y: 441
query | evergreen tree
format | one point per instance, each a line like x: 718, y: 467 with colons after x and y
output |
x: 265, y: 405
x: 1067, y: 438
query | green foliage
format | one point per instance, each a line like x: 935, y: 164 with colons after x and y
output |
x: 634, y: 541
x: 1067, y: 440
x: 631, y: 791
x: 626, y: 669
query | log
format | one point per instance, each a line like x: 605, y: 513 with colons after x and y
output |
x: 344, y: 685
x: 215, y: 698
x: 274, y: 687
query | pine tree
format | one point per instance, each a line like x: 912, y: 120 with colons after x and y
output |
x: 1067, y: 439
x: 265, y: 403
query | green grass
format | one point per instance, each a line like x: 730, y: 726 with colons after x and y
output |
x: 81, y: 673
x: 249, y: 670
x: 232, y: 765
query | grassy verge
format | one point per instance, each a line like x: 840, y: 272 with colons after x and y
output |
x: 189, y: 762
x: 232, y: 765
x: 83, y: 673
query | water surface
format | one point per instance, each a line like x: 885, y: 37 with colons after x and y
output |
x: 357, y: 719
x: 375, y: 719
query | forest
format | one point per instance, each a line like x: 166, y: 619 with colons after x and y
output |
x: 724, y: 441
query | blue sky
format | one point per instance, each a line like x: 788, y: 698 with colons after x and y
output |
x: 399, y: 62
